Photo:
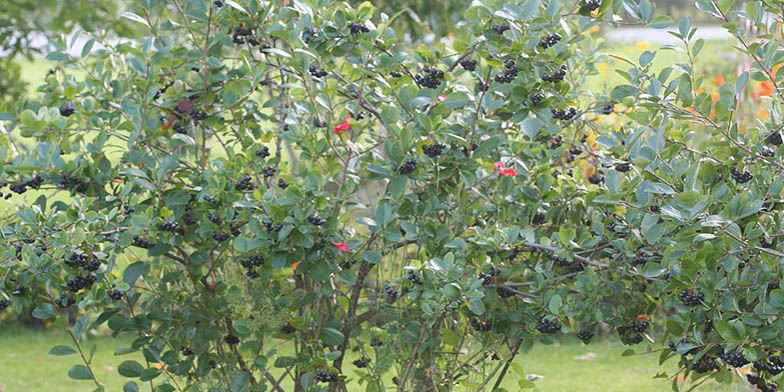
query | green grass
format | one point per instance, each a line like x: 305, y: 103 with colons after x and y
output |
x: 565, y: 366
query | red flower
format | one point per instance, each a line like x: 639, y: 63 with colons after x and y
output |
x: 499, y: 167
x: 643, y: 317
x: 442, y: 98
x: 341, y: 245
x: 342, y: 126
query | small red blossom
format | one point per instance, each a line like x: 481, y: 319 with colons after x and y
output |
x: 499, y: 167
x: 442, y: 98
x: 342, y: 126
x: 643, y: 317
x: 341, y: 245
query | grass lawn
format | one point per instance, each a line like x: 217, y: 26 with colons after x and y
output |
x: 564, y: 367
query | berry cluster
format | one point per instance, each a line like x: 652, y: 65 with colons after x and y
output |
x: 317, y: 72
x: 705, y: 364
x: 608, y: 108
x: 557, y: 76
x: 561, y: 114
x: 433, y: 150
x: 740, y: 178
x: 231, y: 340
x: 20, y: 188
x: 549, y: 40
x: 66, y: 110
x: 79, y: 259
x: 198, y: 115
x: 774, y: 365
x: 430, y: 77
x: 760, y: 383
x: 768, y: 153
x: 4, y: 304
x: 324, y: 376
x: 391, y: 292
x: 376, y: 342
x: 596, y: 179
x: 623, y: 167
x: 408, y: 166
x: 263, y: 152
x: 638, y: 327
x: 362, y: 362
x: 287, y: 328
x: 509, y: 74
x: 316, y: 220
x: 556, y: 141
x: 538, y: 219
x: 80, y: 282
x: 186, y: 351
x: 116, y: 295
x: 774, y: 138
x: 218, y: 3
x: 214, y: 218
x: 244, y: 183
x: 357, y: 28
x: 468, y: 64
x: 240, y: 35
x: 220, y: 236
x: 689, y: 298
x: 481, y: 325
x: 500, y: 28
x: 486, y: 278
x: 142, y: 242
x: 536, y: 98
x: 269, y: 171
x: 272, y: 228
x: 395, y: 74
x: 559, y: 260
x: 211, y: 200
x: 585, y: 335
x: 734, y: 359
x: 282, y: 183
x: 548, y: 326
x: 65, y: 301
x: 169, y: 226
x: 575, y: 150
x: 593, y: 4
x: 413, y: 277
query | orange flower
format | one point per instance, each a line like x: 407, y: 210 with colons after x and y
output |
x: 719, y: 80
x: 775, y: 69
x: 715, y: 97
x: 765, y: 88
x: 643, y: 317
x: 294, y: 265
x: 764, y: 115
x: 342, y: 126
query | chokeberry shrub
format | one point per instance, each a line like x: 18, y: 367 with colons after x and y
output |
x: 264, y: 193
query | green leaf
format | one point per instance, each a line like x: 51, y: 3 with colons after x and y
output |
x: 81, y: 326
x: 135, y: 18
x: 61, y: 350
x: 623, y: 91
x: 45, y: 312
x: 131, y: 386
x: 130, y: 369
x: 133, y: 272
x: 80, y: 372
x: 661, y: 22
x: 726, y: 331
x: 554, y: 306
x: 331, y: 337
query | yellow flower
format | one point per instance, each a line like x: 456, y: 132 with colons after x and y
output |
x: 642, y: 45
x: 764, y: 115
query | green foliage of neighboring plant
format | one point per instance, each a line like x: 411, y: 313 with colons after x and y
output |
x: 248, y: 171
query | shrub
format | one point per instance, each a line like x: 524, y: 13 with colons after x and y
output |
x: 255, y: 173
